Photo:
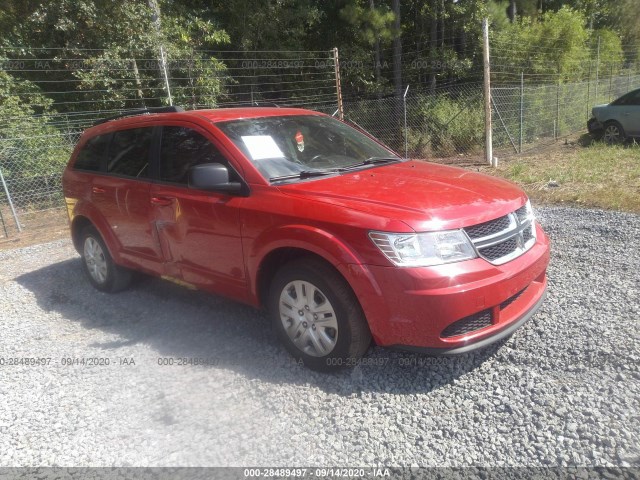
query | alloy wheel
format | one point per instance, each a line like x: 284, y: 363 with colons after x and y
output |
x: 95, y: 259
x: 612, y: 134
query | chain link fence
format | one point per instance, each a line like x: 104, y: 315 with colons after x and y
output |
x: 50, y: 96
x: 444, y: 124
x: 527, y: 116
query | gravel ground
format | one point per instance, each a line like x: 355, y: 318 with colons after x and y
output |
x: 563, y: 390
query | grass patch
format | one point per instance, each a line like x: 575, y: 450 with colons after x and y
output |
x: 598, y: 175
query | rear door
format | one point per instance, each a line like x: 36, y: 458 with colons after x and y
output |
x: 199, y: 231
x: 121, y: 194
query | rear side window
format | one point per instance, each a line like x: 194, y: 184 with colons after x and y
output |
x: 129, y: 152
x: 183, y: 148
x: 92, y: 153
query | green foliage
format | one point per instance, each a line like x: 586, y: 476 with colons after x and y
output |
x: 24, y: 115
x: 445, y: 126
x: 122, y: 31
x: 371, y: 24
x: 611, y: 56
x: 558, y: 44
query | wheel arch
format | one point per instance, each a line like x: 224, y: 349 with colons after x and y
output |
x: 276, y: 259
x: 281, y: 244
x: 357, y: 275
x: 79, y: 223
x: 82, y: 221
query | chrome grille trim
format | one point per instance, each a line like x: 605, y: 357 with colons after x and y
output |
x: 515, y: 239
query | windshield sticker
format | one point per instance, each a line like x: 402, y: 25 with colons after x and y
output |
x: 262, y: 146
x: 300, y: 141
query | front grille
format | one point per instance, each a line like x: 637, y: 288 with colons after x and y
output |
x: 500, y: 250
x: 505, y: 238
x: 488, y: 228
x: 521, y: 213
x: 468, y: 324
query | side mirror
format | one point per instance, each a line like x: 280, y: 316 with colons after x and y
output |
x: 214, y: 177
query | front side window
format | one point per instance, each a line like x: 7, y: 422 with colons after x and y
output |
x: 183, y: 148
x: 129, y: 152
x: 631, y: 98
x: 92, y: 153
x: 297, y: 144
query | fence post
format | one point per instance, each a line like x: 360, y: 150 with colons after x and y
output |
x: 488, y: 140
x: 588, y: 89
x: 521, y: 107
x: 610, y: 79
x: 597, y: 67
x: 406, y: 136
x: 558, y: 110
x: 336, y: 64
x: 155, y: 18
x: 13, y: 210
x: 4, y: 226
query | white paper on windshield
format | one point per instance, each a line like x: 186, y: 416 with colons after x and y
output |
x: 262, y: 146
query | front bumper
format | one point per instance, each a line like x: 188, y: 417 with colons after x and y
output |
x: 594, y: 126
x: 504, y: 333
x: 414, y: 308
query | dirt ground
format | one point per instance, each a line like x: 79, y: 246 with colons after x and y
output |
x: 37, y: 227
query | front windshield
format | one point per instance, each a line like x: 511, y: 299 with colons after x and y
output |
x: 288, y: 145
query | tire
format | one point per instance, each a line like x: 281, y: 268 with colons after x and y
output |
x: 100, y: 268
x: 329, y: 326
x: 613, y: 132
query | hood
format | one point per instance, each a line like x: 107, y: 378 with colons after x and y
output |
x: 599, y: 107
x: 423, y: 195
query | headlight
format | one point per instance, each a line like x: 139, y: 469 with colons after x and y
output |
x: 530, y: 215
x: 424, y: 249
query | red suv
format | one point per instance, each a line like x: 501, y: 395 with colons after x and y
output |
x: 341, y: 240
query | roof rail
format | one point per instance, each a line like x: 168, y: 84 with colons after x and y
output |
x: 254, y: 103
x: 142, y: 111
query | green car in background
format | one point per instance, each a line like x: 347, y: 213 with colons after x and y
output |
x: 616, y: 121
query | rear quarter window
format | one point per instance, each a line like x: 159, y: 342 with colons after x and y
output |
x: 92, y: 153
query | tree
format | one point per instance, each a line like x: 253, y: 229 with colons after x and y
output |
x: 397, y: 58
x: 24, y: 115
x: 121, y: 32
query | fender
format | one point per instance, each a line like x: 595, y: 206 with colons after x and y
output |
x: 327, y: 246
x: 86, y: 209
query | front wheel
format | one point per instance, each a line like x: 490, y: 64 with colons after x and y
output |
x: 103, y: 273
x: 317, y: 316
x: 613, y: 132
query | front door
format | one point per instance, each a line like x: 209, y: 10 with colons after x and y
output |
x: 199, y: 231
x: 627, y: 112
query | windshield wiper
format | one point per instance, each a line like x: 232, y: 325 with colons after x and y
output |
x: 306, y: 174
x: 374, y: 160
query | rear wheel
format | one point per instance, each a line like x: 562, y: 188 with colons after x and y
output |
x: 317, y: 316
x: 613, y: 132
x: 103, y: 273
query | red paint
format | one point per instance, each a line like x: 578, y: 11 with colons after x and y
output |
x: 218, y: 241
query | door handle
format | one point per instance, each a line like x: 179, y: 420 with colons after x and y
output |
x: 98, y: 190
x: 162, y: 201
